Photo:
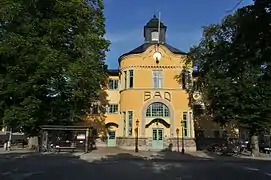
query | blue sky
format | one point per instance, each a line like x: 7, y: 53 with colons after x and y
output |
x: 125, y: 20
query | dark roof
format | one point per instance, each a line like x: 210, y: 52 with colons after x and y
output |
x: 153, y: 23
x: 142, y: 48
x: 113, y: 72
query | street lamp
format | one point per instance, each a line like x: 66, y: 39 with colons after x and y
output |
x: 178, y: 145
x: 182, y: 137
x: 136, y: 140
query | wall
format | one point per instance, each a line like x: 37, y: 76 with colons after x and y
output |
x: 138, y: 98
x: 114, y: 98
x: 142, y: 94
x: 145, y: 144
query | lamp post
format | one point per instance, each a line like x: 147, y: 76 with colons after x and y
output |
x: 182, y: 137
x: 136, y: 140
x: 178, y: 145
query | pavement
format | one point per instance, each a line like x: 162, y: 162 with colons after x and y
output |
x: 169, y: 156
x: 120, y: 164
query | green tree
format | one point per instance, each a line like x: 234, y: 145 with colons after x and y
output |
x: 52, y: 61
x: 234, y: 69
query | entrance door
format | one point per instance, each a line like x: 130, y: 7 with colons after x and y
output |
x: 111, y: 141
x: 157, y: 138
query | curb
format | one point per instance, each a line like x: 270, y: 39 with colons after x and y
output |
x: 155, y: 159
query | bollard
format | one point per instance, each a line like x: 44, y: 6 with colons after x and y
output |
x: 9, y: 146
x: 5, y: 146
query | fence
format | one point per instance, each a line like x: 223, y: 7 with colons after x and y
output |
x: 18, y: 140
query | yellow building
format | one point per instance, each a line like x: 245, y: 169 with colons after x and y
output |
x: 146, y: 99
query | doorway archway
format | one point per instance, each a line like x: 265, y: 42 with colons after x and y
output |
x: 157, y: 109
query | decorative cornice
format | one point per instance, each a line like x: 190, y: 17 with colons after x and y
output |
x: 153, y: 89
x: 151, y: 67
x: 163, y: 47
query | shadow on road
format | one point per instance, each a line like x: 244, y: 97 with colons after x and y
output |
x: 165, y: 165
x: 205, y: 156
x: 238, y: 158
x: 32, y: 166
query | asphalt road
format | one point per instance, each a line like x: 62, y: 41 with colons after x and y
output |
x: 67, y: 167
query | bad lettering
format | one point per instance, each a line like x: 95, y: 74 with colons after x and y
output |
x: 147, y: 95
x: 167, y: 96
x: 157, y: 95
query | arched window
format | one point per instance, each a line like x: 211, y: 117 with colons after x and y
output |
x: 157, y: 109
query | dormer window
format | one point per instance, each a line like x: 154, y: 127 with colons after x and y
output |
x: 151, y: 31
x: 154, y: 36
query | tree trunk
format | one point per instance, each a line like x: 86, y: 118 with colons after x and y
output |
x: 254, y: 145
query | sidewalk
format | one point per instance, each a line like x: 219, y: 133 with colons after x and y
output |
x: 110, y: 152
x: 120, y: 154
x: 15, y: 151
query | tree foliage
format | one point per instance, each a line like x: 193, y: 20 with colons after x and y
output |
x: 234, y: 59
x: 52, y: 54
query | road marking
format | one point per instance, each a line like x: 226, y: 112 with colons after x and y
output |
x: 29, y: 174
x: 250, y: 169
x: 159, y: 167
x: 6, y: 173
x: 9, y: 172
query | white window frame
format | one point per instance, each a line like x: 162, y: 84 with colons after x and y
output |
x: 154, y: 36
x: 114, y: 82
x: 165, y: 110
x: 125, y: 79
x: 133, y: 73
x: 111, y: 110
x: 124, y: 116
x: 191, y: 123
x: 130, y: 126
x: 185, y: 121
x: 157, y: 76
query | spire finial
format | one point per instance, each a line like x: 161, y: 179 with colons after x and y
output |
x: 154, y: 13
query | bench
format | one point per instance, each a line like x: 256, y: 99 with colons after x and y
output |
x: 59, y: 148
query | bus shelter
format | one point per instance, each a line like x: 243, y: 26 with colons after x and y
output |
x: 56, y: 138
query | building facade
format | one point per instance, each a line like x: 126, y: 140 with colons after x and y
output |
x: 147, y: 97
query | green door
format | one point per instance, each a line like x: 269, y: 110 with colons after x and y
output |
x: 157, y: 139
x: 111, y: 141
